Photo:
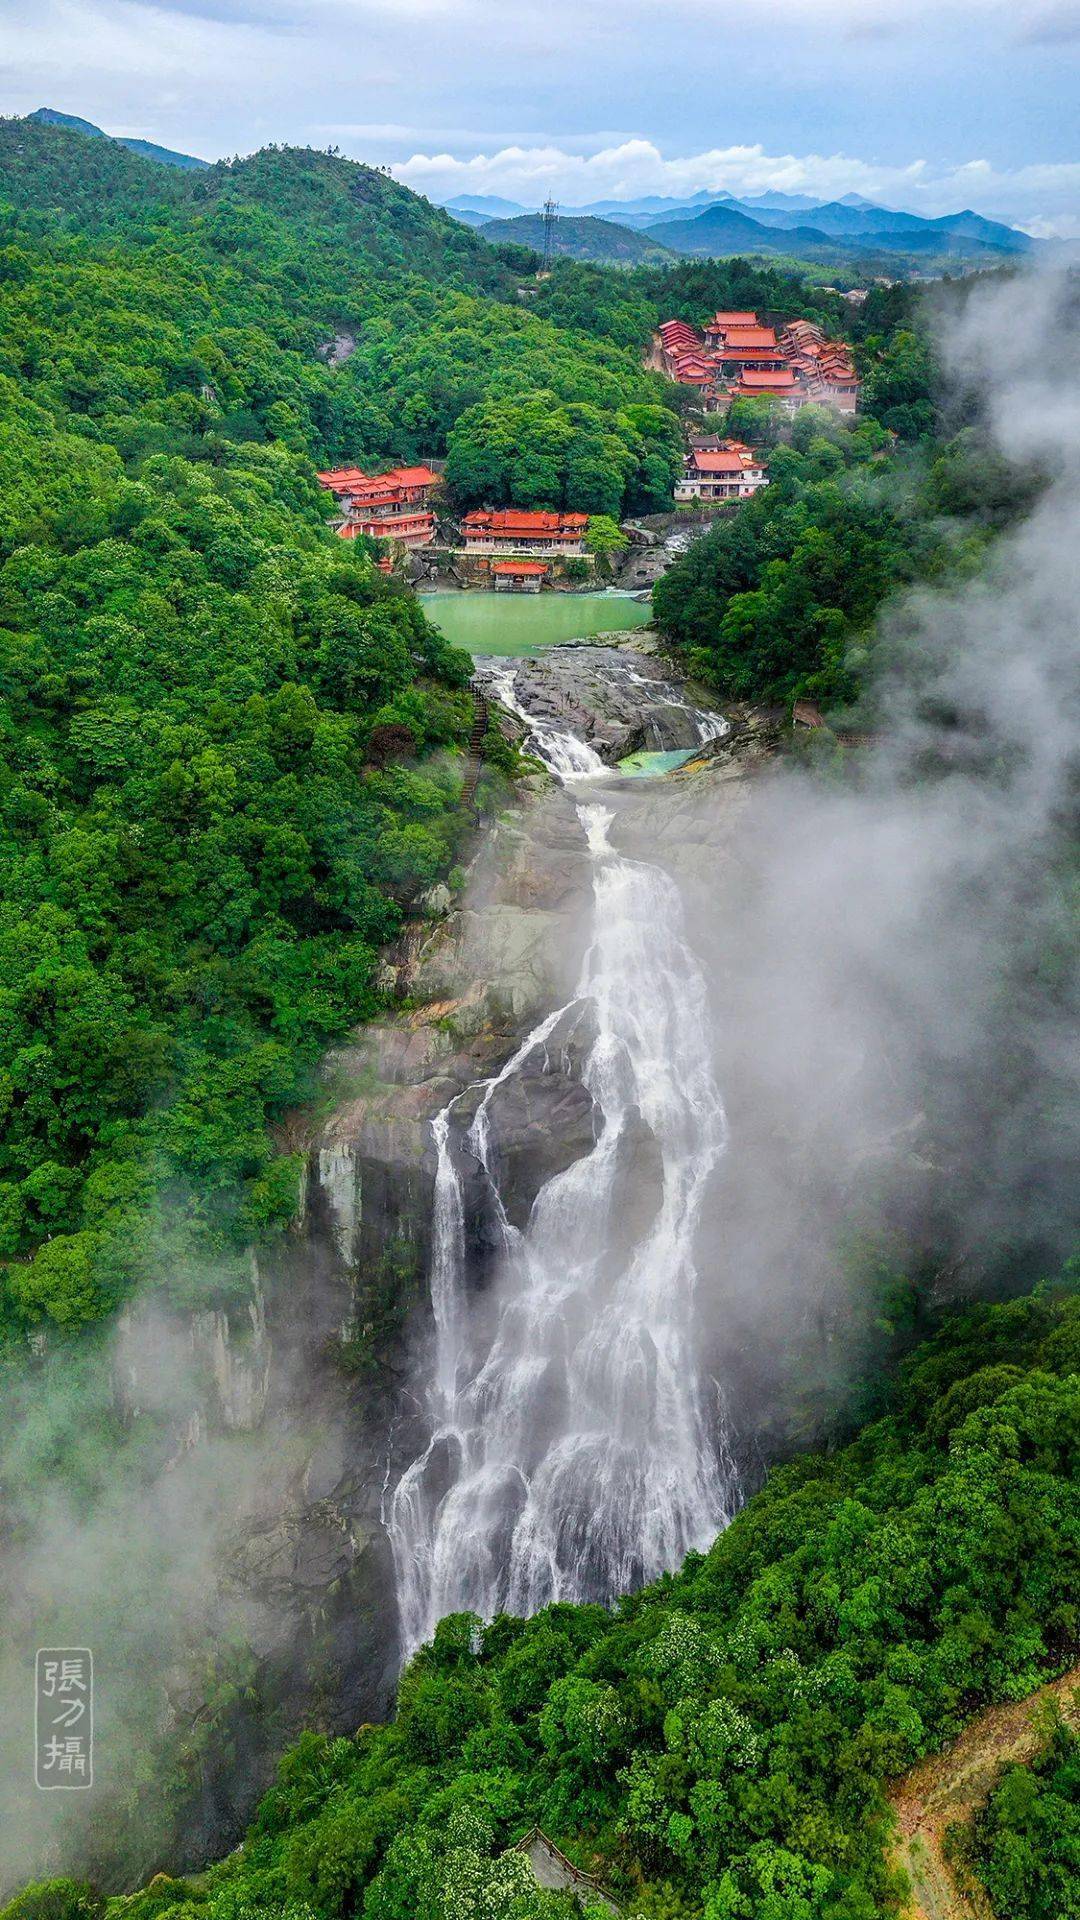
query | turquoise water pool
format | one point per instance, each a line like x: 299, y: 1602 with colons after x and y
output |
x: 522, y: 623
x: 645, y: 765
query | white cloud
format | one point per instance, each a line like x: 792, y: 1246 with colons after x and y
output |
x: 637, y: 166
x: 461, y: 95
x: 1053, y: 226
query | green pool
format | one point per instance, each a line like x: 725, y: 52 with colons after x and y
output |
x: 646, y: 764
x: 516, y: 623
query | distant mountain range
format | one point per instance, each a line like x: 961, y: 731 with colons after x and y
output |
x: 831, y: 232
x: 165, y: 156
x: 577, y: 237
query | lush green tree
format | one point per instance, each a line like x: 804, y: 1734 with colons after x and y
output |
x: 1026, y: 1842
x: 721, y: 1743
x: 776, y: 601
x: 605, y: 538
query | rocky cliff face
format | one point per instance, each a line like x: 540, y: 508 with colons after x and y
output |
x: 309, y: 1377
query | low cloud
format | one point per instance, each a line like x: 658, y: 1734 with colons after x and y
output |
x: 893, y: 955
x: 455, y: 95
x: 638, y: 166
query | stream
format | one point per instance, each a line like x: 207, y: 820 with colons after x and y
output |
x: 575, y: 1450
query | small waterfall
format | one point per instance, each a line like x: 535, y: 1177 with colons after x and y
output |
x: 574, y: 1452
x: 568, y: 757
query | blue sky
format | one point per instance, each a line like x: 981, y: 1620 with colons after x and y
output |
x: 928, y: 104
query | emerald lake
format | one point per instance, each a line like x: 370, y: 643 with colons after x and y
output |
x: 518, y: 623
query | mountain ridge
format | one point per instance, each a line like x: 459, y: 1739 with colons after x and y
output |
x: 146, y: 149
x: 579, y: 237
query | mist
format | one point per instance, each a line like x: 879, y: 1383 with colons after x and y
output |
x: 890, y: 937
x: 184, y: 1494
x: 888, y: 946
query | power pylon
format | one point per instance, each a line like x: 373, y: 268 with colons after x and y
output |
x: 551, y: 210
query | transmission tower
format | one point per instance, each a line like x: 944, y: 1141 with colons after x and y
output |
x: 551, y: 210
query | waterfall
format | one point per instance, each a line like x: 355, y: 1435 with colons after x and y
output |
x: 568, y: 757
x: 573, y: 1452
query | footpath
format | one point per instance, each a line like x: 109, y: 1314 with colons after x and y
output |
x: 952, y: 1786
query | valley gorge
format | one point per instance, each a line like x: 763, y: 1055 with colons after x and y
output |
x: 489, y: 1285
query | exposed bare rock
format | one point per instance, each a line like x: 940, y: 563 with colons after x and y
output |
x: 619, y: 699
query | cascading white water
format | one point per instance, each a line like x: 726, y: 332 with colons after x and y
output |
x: 568, y: 757
x: 573, y: 1454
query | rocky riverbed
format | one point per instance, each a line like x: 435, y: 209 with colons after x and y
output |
x: 620, y: 699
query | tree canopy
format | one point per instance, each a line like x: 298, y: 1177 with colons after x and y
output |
x: 720, y: 1744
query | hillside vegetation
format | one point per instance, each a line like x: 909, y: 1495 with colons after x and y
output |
x: 202, y: 850
x: 721, y: 1744
x: 579, y: 237
x: 196, y: 665
x: 204, y: 845
x: 778, y: 600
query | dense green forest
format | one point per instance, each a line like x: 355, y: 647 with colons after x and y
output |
x: 720, y: 1744
x: 777, y: 601
x: 231, y: 764
x: 206, y: 839
x: 203, y: 849
x: 1025, y: 1847
x: 204, y: 845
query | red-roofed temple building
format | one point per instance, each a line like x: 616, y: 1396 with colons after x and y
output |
x: 739, y: 357
x: 825, y: 366
x: 515, y: 531
x: 731, y: 471
x: 395, y: 505
x: 519, y: 576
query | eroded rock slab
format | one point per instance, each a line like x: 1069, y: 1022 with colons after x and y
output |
x: 620, y: 700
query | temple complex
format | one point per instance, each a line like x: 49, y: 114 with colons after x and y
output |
x: 395, y: 505
x: 738, y: 357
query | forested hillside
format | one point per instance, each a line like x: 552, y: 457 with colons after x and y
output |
x: 720, y: 1745
x: 195, y: 666
x: 232, y: 763
x: 777, y: 601
x: 204, y: 846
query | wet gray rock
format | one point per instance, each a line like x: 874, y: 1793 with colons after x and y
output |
x: 620, y: 699
x: 540, y: 1121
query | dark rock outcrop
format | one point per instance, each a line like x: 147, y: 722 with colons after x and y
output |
x: 619, y: 699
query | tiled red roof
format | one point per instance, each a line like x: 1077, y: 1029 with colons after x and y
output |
x: 733, y: 319
x: 517, y: 520
x: 757, y: 377
x: 341, y: 477
x: 723, y: 462
x: 530, y: 567
x: 362, y: 485
x: 739, y: 337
